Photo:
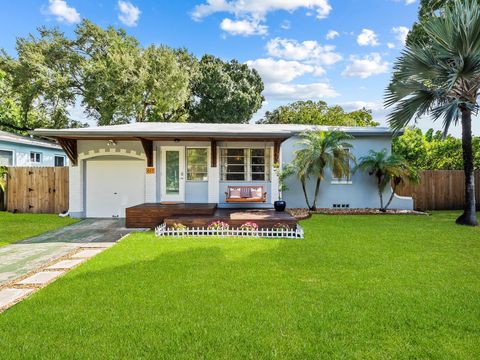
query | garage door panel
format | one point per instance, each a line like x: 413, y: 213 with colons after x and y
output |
x: 112, y: 186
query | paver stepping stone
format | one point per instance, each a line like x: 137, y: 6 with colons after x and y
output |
x: 88, y: 253
x: 103, y: 245
x: 8, y: 296
x: 66, y: 264
x: 41, y: 278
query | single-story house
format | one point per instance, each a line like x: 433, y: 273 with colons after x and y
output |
x: 17, y: 150
x: 120, y: 166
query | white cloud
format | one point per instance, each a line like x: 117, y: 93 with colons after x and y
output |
x: 365, y: 67
x: 63, y: 12
x: 332, y: 34
x: 129, y: 13
x: 401, y: 33
x: 367, y: 38
x: 259, y: 9
x: 359, y: 104
x: 255, y: 11
x: 277, y: 71
x: 243, y: 27
x: 409, y: 2
x: 292, y: 92
x: 309, y: 50
x: 391, y: 45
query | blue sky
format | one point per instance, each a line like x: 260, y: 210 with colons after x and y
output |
x: 340, y: 51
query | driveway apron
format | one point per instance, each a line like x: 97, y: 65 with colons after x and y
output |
x: 20, y: 258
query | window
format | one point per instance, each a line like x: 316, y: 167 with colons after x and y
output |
x: 35, y: 157
x: 197, y: 164
x: 6, y: 158
x: 245, y: 164
x: 59, y: 160
x: 338, y: 177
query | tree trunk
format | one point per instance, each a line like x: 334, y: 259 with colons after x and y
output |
x: 469, y: 216
x: 317, y: 188
x: 392, y: 195
x: 305, y: 194
x: 380, y: 192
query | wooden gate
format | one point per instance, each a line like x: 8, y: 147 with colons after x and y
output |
x: 37, y: 189
x: 439, y: 190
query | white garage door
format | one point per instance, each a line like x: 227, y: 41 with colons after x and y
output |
x: 113, y: 185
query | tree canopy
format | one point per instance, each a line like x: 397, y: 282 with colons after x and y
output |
x: 427, y: 9
x: 115, y: 81
x: 317, y: 113
x: 431, y: 151
x: 225, y: 92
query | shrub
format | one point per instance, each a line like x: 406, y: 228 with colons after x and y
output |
x: 218, y: 225
x: 250, y: 226
x: 179, y: 226
x: 281, y: 226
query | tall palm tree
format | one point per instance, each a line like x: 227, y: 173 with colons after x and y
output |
x: 387, y: 169
x: 321, y: 150
x: 442, y: 79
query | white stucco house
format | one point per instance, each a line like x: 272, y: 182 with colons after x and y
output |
x: 116, y: 167
x: 16, y: 150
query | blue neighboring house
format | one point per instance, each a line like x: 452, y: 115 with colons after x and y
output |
x: 16, y: 150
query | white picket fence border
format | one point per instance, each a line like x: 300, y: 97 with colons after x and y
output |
x: 296, y: 233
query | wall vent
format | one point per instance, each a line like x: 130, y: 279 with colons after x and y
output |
x: 341, y: 206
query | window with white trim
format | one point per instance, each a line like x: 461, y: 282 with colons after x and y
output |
x: 342, y: 178
x: 197, y: 164
x: 35, y: 157
x: 245, y: 164
x: 6, y: 157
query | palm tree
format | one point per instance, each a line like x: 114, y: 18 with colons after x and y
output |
x: 321, y: 150
x: 387, y: 169
x: 442, y: 79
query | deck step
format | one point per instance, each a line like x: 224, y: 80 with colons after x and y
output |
x: 149, y: 215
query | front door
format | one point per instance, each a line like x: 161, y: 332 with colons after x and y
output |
x: 173, y: 173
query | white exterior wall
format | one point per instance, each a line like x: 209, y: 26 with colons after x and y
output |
x: 360, y: 192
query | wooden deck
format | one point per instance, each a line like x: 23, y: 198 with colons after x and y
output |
x: 150, y: 215
x: 264, y: 218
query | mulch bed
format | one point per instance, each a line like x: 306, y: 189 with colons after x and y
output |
x: 301, y: 214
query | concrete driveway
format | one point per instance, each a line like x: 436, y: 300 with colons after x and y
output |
x: 20, y: 258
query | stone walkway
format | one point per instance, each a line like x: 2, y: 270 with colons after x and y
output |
x: 35, y: 262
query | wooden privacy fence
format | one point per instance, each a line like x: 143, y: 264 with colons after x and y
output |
x: 439, y: 190
x: 37, y: 189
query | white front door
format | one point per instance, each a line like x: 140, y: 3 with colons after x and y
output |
x: 173, y: 173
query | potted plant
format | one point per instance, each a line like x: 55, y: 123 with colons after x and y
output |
x: 282, y: 174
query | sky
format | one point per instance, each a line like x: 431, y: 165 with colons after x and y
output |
x: 339, y: 51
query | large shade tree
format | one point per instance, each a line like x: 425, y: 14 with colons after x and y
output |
x: 225, y: 92
x: 310, y: 112
x: 441, y: 79
x: 321, y: 150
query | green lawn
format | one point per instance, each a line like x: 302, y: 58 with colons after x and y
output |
x: 16, y: 227
x: 357, y: 287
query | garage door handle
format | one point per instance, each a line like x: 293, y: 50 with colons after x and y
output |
x: 114, y: 193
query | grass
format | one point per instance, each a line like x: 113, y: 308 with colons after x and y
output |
x: 357, y: 287
x: 16, y: 227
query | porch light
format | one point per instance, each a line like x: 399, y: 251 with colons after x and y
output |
x: 111, y: 143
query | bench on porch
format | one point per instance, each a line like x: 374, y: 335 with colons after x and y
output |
x: 243, y: 194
